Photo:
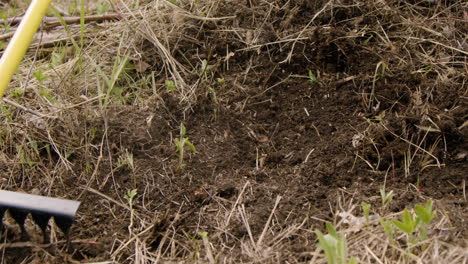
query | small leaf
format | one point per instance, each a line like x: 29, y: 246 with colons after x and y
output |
x: 40, y: 76
x: 170, y: 85
x: 425, y: 213
x: 408, y: 224
x: 366, y: 209
x: 191, y: 146
x: 183, y: 130
x: 312, y: 77
x: 387, y: 227
x: 331, y: 230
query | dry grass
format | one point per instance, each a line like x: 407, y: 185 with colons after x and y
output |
x: 62, y: 129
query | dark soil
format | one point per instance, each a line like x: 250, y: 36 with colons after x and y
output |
x: 271, y: 132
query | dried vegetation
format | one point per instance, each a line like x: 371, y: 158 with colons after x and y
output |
x: 279, y: 153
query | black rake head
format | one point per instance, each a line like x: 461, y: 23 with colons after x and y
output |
x: 41, y: 209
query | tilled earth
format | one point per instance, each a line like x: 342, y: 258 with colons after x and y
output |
x: 264, y: 129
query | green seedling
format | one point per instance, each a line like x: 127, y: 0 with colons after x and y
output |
x: 125, y: 161
x: 205, y: 68
x: 206, y: 244
x: 407, y: 223
x: 102, y: 7
x: 196, y: 252
x: 380, y: 70
x: 129, y: 197
x: 424, y: 217
x: 17, y: 92
x: 416, y: 225
x: 334, y: 246
x: 111, y: 83
x: 388, y: 228
x: 180, y: 143
x: 385, y: 197
x: 312, y: 77
x: 366, y: 41
x: 58, y: 57
x: 170, y: 85
x: 220, y: 81
x: 366, y: 210
x: 40, y: 75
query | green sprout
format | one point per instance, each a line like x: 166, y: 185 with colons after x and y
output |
x: 385, y: 197
x: 416, y: 225
x: 334, y: 246
x: 130, y: 195
x: 180, y: 143
x: 170, y: 85
x: 366, y: 210
x: 40, y: 75
x: 312, y: 77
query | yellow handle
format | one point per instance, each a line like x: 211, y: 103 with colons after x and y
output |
x: 19, y: 43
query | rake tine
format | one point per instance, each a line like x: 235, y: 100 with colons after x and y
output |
x: 20, y: 217
x: 42, y: 220
x: 2, y: 213
x: 64, y: 224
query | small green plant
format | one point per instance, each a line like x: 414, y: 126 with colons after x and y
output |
x: 407, y: 223
x: 125, y: 161
x: 180, y: 143
x: 40, y: 75
x: 196, y: 252
x: 58, y: 57
x: 385, y: 197
x: 129, y: 197
x: 312, y: 77
x: 102, y: 7
x: 17, y: 92
x: 170, y: 85
x: 380, y: 70
x: 334, y: 246
x: 220, y: 81
x: 388, y: 229
x: 424, y: 217
x: 366, y: 210
x: 416, y: 225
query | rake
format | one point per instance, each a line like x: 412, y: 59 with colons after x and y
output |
x: 41, y: 209
x: 20, y: 205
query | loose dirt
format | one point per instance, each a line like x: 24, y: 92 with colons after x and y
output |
x: 264, y: 130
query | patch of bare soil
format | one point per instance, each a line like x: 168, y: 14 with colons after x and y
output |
x: 386, y: 108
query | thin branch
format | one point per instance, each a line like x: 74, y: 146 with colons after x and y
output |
x: 50, y: 22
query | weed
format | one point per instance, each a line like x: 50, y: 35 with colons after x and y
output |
x: 40, y: 75
x: 129, y: 197
x: 385, y: 197
x: 334, y: 246
x: 366, y: 210
x: 415, y: 225
x: 180, y: 143
x: 102, y: 7
x: 170, y: 85
x: 380, y: 70
x: 125, y: 161
x: 312, y: 77
x: 220, y: 81
x: 196, y: 252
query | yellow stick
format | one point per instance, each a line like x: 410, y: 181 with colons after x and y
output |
x: 19, y: 43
